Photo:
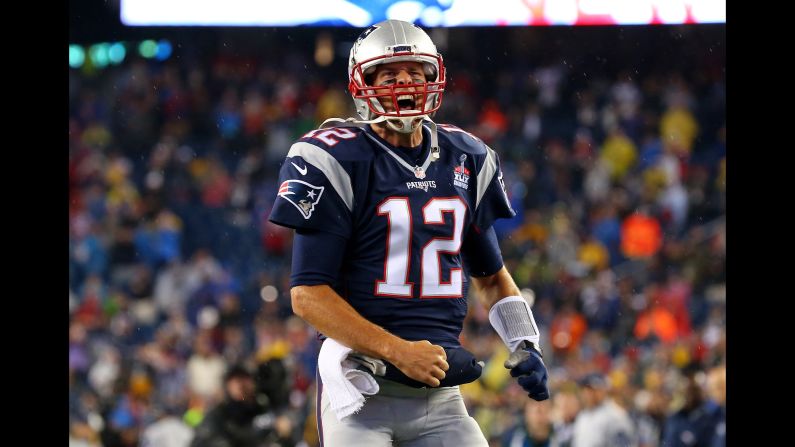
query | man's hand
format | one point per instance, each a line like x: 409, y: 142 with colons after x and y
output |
x: 422, y: 361
x: 464, y: 368
x: 526, y: 364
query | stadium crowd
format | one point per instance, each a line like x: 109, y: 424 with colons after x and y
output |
x: 178, y: 285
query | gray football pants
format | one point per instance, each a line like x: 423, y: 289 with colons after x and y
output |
x: 402, y: 416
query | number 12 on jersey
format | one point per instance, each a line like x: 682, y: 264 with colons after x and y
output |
x: 398, y: 250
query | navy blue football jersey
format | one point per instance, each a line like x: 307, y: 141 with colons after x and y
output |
x: 404, y: 216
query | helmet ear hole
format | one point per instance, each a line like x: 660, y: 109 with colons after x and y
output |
x: 369, y: 73
x: 430, y: 71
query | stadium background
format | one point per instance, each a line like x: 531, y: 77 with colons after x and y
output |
x: 613, y: 146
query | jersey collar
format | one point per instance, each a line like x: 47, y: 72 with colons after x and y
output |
x: 418, y: 170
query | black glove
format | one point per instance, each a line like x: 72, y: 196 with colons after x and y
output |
x: 526, y: 364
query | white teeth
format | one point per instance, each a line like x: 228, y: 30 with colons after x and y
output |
x: 405, y: 97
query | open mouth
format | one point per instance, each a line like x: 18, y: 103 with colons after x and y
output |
x: 406, y: 102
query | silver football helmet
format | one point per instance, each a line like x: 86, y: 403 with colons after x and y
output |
x: 395, y: 41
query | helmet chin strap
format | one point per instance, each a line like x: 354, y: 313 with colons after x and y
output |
x: 353, y: 122
x: 434, y: 139
x: 349, y: 122
x: 404, y: 125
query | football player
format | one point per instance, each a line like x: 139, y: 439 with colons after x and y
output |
x: 393, y: 222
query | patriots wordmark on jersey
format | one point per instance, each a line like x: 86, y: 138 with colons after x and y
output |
x: 404, y: 215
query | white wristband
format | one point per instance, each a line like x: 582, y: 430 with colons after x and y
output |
x: 513, y: 320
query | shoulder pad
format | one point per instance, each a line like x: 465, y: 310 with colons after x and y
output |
x: 461, y: 139
x: 331, y: 137
x: 344, y: 143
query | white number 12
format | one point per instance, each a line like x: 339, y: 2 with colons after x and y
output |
x: 398, y: 249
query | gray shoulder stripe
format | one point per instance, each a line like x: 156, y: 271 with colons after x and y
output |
x: 329, y: 166
x: 486, y: 173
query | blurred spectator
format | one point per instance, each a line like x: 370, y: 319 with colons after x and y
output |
x: 567, y: 329
x: 618, y: 153
x: 168, y: 431
x: 535, y: 428
x: 171, y: 287
x: 158, y: 241
x: 240, y: 420
x: 656, y: 323
x: 641, y: 236
x: 695, y: 422
x: 565, y: 407
x: 652, y: 406
x: 678, y: 127
x: 205, y: 369
x: 86, y: 251
x: 601, y: 422
x: 81, y: 434
x: 716, y: 403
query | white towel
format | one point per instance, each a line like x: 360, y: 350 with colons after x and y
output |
x: 344, y: 383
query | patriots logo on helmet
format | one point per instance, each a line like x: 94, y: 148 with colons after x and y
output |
x: 367, y: 31
x: 302, y: 195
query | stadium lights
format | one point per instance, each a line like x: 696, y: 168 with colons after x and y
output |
x: 160, y: 50
x: 441, y: 13
x: 116, y: 53
x: 147, y: 49
x: 163, y: 50
x: 98, y: 55
x: 76, y: 56
x: 102, y: 54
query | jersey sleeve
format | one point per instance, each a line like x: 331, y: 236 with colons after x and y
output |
x: 309, y: 269
x: 492, y: 200
x: 315, y: 192
x: 481, y: 252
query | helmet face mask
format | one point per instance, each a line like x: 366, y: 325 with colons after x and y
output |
x: 395, y: 41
